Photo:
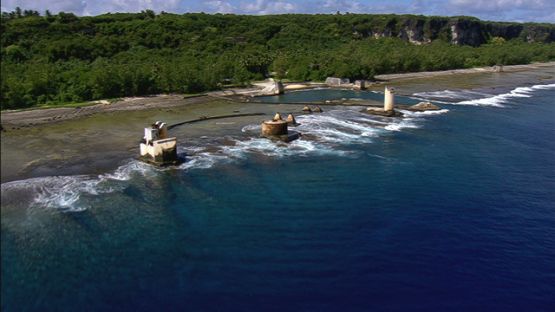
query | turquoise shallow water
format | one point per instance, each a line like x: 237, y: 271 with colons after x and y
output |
x: 440, y: 211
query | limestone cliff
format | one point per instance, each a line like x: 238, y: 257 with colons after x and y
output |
x: 462, y: 31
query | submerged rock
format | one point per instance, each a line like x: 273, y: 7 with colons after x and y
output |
x: 423, y: 106
x: 381, y: 112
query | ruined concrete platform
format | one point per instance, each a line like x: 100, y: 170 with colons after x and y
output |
x: 290, y: 136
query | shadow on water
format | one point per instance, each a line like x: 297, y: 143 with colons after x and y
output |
x: 85, y: 219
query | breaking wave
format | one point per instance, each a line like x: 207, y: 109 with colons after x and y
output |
x: 466, y: 97
x: 448, y: 96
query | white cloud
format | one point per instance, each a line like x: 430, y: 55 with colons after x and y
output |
x: 537, y: 16
x: 217, y: 6
x: 54, y: 6
x: 95, y: 7
x: 263, y: 7
x: 511, y: 10
x: 500, y: 10
x: 418, y: 6
x: 252, y: 7
x: 91, y: 7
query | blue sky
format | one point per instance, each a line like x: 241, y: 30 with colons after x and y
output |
x: 493, y: 10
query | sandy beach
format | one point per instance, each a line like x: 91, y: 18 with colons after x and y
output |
x: 95, y: 139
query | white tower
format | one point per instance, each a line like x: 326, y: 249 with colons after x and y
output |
x: 389, y: 100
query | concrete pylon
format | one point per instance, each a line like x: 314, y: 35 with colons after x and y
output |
x: 291, y: 119
x: 389, y: 100
x: 318, y: 109
x: 277, y: 117
x: 307, y: 109
x: 274, y: 127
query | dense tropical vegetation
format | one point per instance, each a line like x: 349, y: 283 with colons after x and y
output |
x: 63, y: 58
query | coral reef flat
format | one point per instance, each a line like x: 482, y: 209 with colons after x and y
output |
x: 93, y: 139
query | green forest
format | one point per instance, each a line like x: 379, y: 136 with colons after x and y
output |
x: 51, y: 59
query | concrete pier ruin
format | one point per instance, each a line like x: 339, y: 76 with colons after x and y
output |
x: 273, y: 88
x: 157, y: 148
x: 277, y: 129
x: 388, y: 104
x: 389, y: 99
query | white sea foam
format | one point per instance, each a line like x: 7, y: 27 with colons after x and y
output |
x: 403, y: 124
x: 425, y: 113
x: 448, y: 96
x: 252, y: 128
x: 64, y: 192
x: 191, y: 149
x: 544, y: 87
x: 269, y: 148
x: 469, y: 97
x: 500, y: 99
x: 481, y: 99
x: 125, y: 172
x: 343, y: 125
x: 202, y: 161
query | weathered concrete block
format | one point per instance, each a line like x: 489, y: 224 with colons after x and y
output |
x: 274, y: 127
x: 360, y: 84
x: 274, y: 88
x: 337, y: 81
x: 157, y: 148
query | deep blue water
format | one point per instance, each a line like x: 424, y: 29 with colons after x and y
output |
x: 446, y: 211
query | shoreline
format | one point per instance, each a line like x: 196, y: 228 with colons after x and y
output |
x: 477, y: 70
x: 29, y: 118
x: 98, y: 138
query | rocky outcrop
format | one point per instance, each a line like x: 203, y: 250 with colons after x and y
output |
x: 466, y: 32
x: 506, y: 31
x: 382, y: 112
x: 423, y: 106
x: 412, y: 30
x: 538, y: 33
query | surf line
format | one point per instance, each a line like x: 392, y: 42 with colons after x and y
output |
x: 213, y: 117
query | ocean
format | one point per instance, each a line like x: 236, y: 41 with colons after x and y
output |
x: 450, y: 210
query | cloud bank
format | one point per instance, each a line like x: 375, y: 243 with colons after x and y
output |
x: 496, y: 10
